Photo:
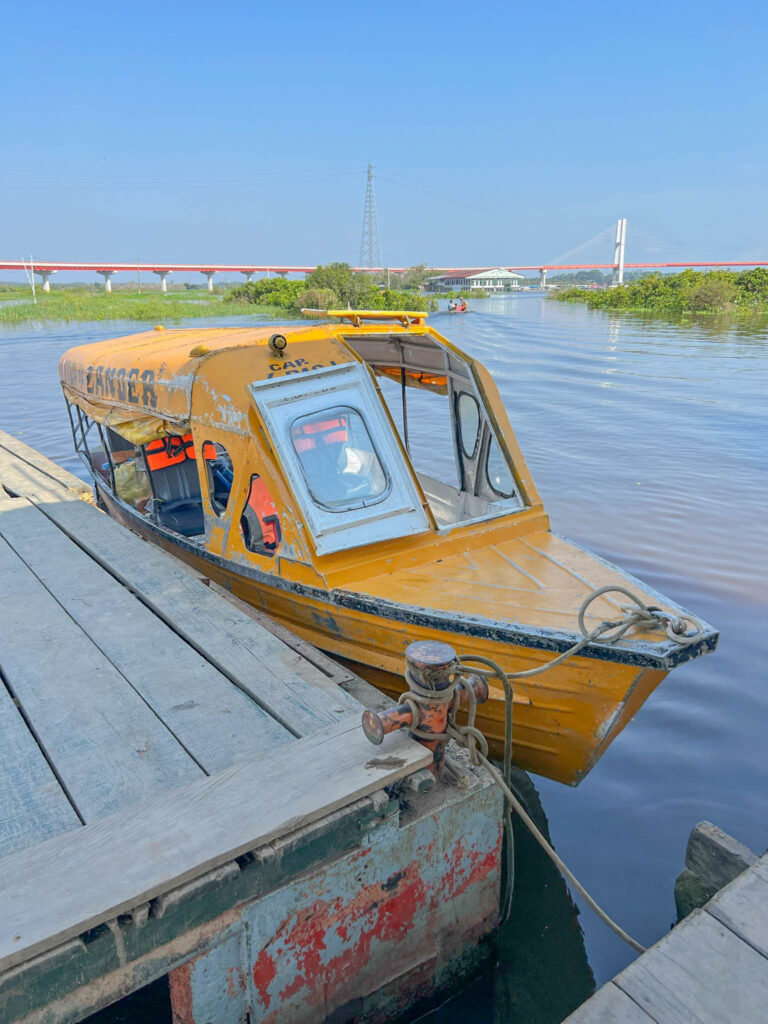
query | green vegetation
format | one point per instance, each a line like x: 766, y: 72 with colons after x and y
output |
x: 333, y: 286
x: 464, y: 293
x: 713, y: 291
x: 82, y: 304
x: 330, y: 287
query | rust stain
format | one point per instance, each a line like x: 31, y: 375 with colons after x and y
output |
x: 385, y: 762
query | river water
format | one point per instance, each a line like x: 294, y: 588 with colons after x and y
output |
x: 648, y: 440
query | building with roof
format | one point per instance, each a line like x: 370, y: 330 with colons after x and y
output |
x: 495, y: 279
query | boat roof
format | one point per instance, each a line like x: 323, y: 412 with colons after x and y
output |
x: 152, y: 374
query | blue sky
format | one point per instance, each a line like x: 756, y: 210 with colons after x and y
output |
x: 500, y: 133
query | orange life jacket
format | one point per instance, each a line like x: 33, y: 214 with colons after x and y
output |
x: 261, y: 519
x: 173, y: 450
x: 309, y: 435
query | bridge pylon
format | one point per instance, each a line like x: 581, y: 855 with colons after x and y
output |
x: 618, y: 252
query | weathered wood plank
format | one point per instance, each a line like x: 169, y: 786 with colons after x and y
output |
x: 248, y: 654
x: 107, y: 747
x: 329, y: 672
x: 128, y: 858
x: 33, y: 805
x: 21, y: 478
x: 45, y: 465
x: 701, y: 973
x: 213, y: 719
x: 609, y: 1005
x: 743, y: 907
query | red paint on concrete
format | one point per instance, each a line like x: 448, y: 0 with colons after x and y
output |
x: 468, y: 867
x: 382, y: 911
x: 180, y: 984
x: 264, y: 973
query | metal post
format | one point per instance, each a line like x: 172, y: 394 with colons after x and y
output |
x: 432, y: 665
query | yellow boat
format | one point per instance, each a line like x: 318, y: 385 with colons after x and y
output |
x: 359, y: 481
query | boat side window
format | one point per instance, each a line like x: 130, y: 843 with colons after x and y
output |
x: 90, y: 443
x: 177, y: 501
x: 497, y: 471
x: 130, y: 472
x: 469, y: 423
x: 338, y: 459
x: 218, y: 465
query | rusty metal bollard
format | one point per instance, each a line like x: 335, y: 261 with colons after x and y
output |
x: 432, y: 666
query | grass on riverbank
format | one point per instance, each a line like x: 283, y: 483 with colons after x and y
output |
x: 712, y: 291
x: 151, y: 307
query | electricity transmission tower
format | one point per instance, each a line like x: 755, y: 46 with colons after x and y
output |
x: 370, y: 245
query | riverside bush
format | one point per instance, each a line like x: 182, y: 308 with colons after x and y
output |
x: 692, y: 291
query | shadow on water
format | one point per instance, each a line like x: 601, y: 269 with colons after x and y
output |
x: 543, y: 973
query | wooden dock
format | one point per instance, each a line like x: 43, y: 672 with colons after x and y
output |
x: 712, y: 968
x: 186, y: 792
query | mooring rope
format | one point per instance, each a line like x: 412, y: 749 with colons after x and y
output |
x: 682, y: 629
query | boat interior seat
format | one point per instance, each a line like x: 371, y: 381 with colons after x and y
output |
x: 449, y: 505
x: 178, y: 502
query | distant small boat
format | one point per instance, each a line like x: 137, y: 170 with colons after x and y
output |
x: 277, y: 461
x: 463, y: 308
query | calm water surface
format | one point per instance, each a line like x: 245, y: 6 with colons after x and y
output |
x: 648, y: 441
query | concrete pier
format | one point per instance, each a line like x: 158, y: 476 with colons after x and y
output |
x: 209, y: 275
x: 45, y: 277
x: 163, y: 275
x: 107, y: 275
x: 189, y: 793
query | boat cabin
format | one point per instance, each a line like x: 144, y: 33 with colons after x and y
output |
x: 304, y: 443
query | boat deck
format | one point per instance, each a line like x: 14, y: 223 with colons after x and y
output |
x: 154, y: 733
x: 711, y: 968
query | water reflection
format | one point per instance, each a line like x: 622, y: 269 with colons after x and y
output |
x: 543, y: 972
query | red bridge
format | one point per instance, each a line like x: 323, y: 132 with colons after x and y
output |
x: 46, y: 268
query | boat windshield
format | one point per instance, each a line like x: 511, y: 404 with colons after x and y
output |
x: 338, y: 459
x: 444, y: 427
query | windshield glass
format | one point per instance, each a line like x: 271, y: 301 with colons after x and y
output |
x: 338, y: 459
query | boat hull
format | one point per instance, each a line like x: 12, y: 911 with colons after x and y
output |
x: 563, y: 720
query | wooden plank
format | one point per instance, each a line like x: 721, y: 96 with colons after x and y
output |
x: 743, y: 907
x: 20, y: 478
x: 117, y: 863
x: 45, y: 465
x: 33, y: 805
x: 213, y: 719
x: 329, y: 672
x: 701, y: 973
x: 107, y: 747
x: 245, y: 652
x: 609, y: 1005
